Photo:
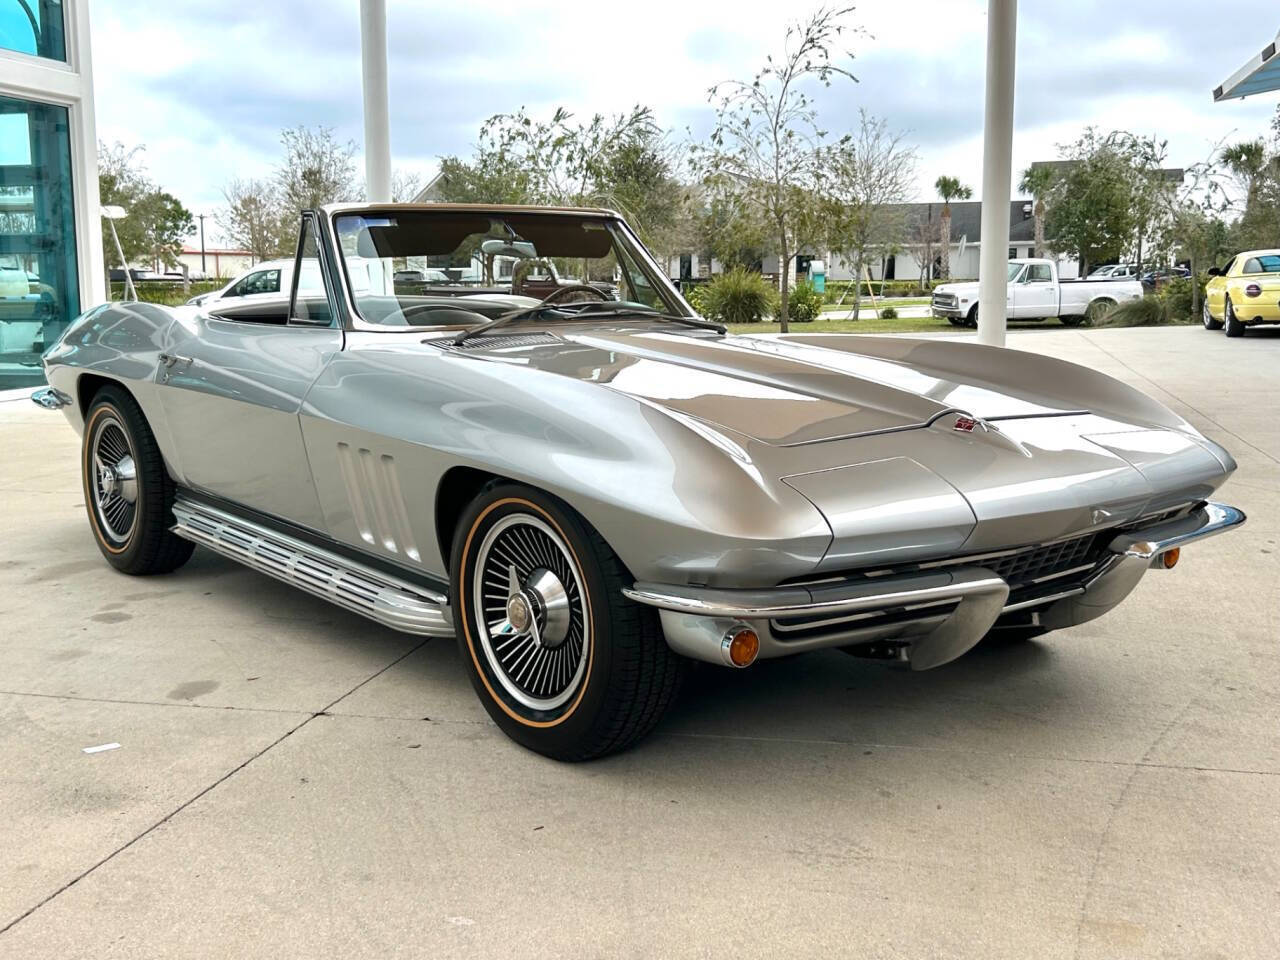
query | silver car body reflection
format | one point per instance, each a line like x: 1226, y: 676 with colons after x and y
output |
x: 900, y: 494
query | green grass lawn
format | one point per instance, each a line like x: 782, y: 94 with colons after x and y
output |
x: 841, y: 324
x: 866, y: 303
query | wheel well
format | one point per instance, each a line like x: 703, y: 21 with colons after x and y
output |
x: 458, y: 487
x: 87, y: 388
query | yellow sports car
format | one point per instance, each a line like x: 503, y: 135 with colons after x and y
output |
x: 1243, y: 293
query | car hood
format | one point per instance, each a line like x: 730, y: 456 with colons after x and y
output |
x: 967, y: 288
x: 779, y: 391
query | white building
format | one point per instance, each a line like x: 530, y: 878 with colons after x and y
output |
x: 50, y: 237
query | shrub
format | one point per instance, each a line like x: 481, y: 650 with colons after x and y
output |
x: 739, y: 296
x: 169, y: 294
x: 1175, y: 297
x: 888, y: 313
x: 1145, y: 312
x: 697, y: 297
x: 804, y: 303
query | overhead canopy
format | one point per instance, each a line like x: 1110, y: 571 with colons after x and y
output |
x: 1260, y: 75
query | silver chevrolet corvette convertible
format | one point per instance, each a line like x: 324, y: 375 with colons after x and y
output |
x: 505, y: 424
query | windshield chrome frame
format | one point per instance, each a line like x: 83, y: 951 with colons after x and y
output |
x: 352, y: 320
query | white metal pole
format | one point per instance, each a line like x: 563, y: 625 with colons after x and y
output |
x: 997, y: 172
x: 377, y: 125
x: 129, y: 292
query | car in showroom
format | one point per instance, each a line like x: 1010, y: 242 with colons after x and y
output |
x: 1037, y: 293
x: 591, y: 492
x: 1244, y: 293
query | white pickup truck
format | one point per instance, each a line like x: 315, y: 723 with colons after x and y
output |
x: 1036, y: 293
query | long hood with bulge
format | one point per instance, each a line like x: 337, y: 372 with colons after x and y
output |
x: 873, y: 432
x: 780, y: 392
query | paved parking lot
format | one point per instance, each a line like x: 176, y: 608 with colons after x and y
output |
x: 294, y: 781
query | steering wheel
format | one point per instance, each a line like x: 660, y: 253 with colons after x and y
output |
x: 555, y: 296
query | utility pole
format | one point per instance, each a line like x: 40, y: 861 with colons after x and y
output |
x: 203, y: 271
x: 997, y: 172
x: 377, y: 126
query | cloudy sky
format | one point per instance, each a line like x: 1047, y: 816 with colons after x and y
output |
x: 208, y: 86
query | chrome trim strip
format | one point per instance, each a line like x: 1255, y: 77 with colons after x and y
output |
x: 781, y: 602
x: 1043, y: 599
x: 379, y: 596
x: 1211, y: 519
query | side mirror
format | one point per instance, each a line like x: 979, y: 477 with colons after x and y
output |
x: 1215, y: 272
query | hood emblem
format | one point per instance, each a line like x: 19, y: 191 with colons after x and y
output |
x: 966, y: 424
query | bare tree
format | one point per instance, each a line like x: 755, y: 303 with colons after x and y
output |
x: 252, y: 218
x: 405, y: 186
x: 316, y: 169
x: 870, y: 174
x: 925, y: 235
x: 766, y: 146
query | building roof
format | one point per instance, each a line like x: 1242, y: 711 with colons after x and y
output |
x: 966, y: 219
x: 1172, y: 174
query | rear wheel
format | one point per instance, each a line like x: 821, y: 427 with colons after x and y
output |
x: 1098, y: 309
x: 1230, y: 322
x: 1207, y: 318
x: 562, y: 662
x: 127, y: 491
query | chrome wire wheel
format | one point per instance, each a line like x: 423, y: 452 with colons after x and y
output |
x: 114, y: 483
x: 531, y: 612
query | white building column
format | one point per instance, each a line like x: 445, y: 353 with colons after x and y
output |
x: 997, y: 172
x: 377, y: 124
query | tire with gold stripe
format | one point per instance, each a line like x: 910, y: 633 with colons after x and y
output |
x: 128, y: 493
x: 563, y: 662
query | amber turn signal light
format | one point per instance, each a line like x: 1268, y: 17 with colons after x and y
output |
x: 1169, y: 559
x: 741, y: 646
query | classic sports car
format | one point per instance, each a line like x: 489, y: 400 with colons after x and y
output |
x: 1243, y: 293
x: 589, y: 492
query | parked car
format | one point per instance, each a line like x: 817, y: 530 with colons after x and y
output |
x: 1244, y: 293
x: 1114, y: 271
x: 269, y: 280
x: 1036, y: 293
x: 1154, y: 279
x: 591, y: 492
x: 426, y: 275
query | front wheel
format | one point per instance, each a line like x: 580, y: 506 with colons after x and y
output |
x: 127, y: 491
x: 972, y: 319
x: 562, y: 661
x: 1207, y: 318
x: 1231, y: 323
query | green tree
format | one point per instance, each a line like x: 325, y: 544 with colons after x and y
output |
x: 949, y: 188
x: 766, y: 148
x: 1090, y: 209
x: 1038, y: 180
x: 155, y: 221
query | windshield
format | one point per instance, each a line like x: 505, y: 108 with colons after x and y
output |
x: 459, y: 268
x: 1014, y: 270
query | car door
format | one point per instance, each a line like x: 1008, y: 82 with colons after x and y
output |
x: 1215, y: 290
x: 231, y: 390
x: 1035, y: 294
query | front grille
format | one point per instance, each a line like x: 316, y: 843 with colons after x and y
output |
x: 944, y: 300
x: 1039, y: 562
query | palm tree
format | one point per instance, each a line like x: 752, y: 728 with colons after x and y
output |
x: 1038, y: 180
x: 949, y: 188
x: 1247, y: 160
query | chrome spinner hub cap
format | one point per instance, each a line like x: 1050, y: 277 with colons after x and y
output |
x: 530, y: 612
x: 115, y: 479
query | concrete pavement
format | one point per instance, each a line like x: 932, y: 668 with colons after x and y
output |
x: 295, y: 781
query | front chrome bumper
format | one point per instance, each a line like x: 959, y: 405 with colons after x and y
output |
x: 937, y: 614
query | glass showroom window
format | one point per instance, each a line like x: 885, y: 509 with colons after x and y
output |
x: 39, y: 290
x: 34, y: 27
